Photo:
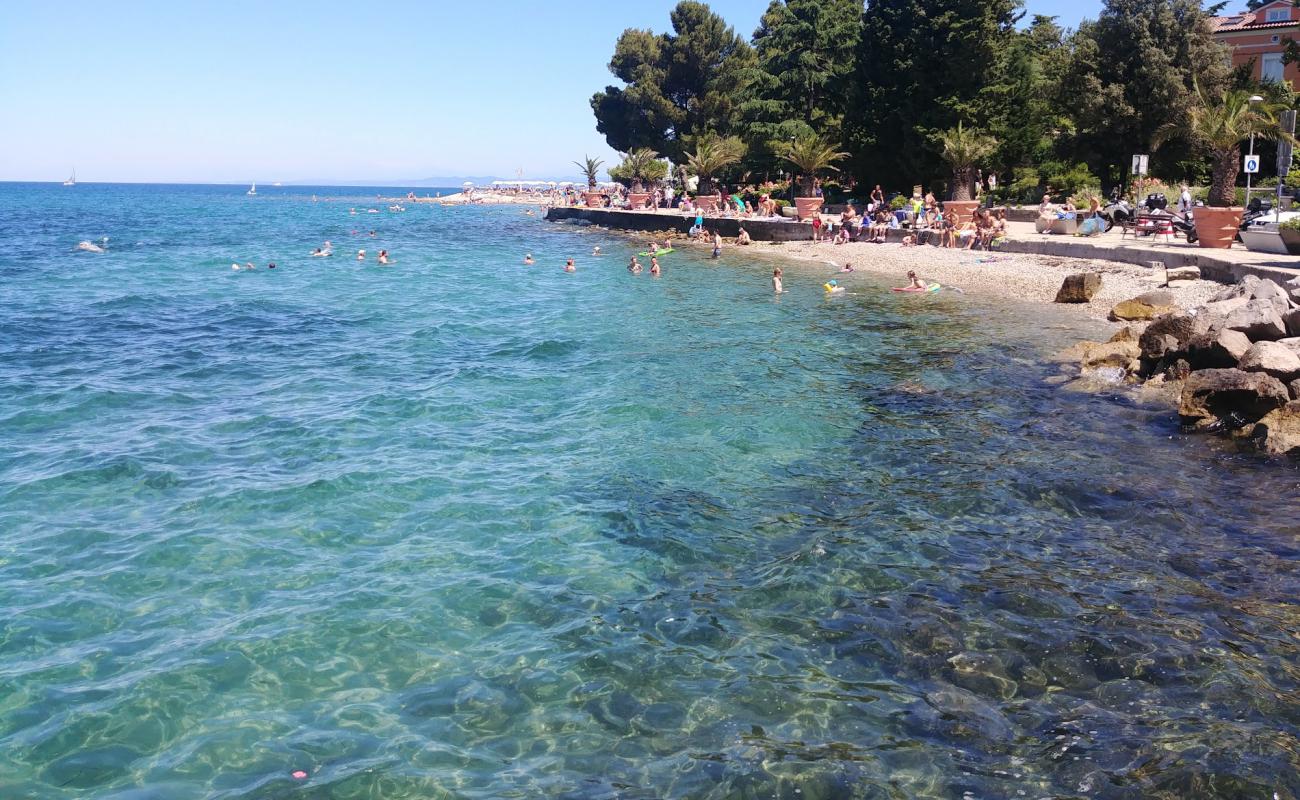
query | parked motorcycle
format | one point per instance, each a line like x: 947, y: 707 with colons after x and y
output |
x: 1117, y: 212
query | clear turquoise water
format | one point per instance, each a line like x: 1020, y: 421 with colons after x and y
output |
x: 458, y: 528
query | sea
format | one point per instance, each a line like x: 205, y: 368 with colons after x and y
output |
x: 458, y: 527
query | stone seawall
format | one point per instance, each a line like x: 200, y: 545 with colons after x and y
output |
x: 1216, y: 265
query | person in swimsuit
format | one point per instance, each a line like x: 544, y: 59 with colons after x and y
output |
x: 914, y: 282
x: 776, y: 281
x: 717, y: 244
x: 634, y: 266
x: 654, y: 266
x: 569, y: 266
x: 528, y: 258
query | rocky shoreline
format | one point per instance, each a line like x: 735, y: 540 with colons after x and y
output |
x: 1231, y: 365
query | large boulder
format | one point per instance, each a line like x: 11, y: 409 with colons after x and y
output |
x: 1293, y: 288
x: 1292, y: 321
x: 1241, y: 288
x: 1274, y: 358
x: 1218, y: 350
x: 1258, y: 319
x: 1294, y: 386
x: 1218, y: 398
x: 1079, y: 288
x: 1278, y: 431
x: 1170, y: 332
x: 1143, y: 307
x: 1213, y: 316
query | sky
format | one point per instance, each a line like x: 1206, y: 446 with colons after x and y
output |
x: 238, y: 91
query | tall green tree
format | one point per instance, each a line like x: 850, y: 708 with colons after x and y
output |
x: 677, y: 85
x: 800, y: 83
x: 1133, y: 72
x: 922, y: 66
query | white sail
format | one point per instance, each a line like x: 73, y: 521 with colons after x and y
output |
x: 253, y: 189
x: 73, y: 180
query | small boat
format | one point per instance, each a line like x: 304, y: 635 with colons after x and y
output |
x: 73, y: 180
x: 277, y: 183
x: 252, y: 190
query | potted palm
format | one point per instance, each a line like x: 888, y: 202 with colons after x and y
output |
x: 1221, y: 126
x: 810, y: 155
x: 591, y: 168
x: 963, y: 149
x: 713, y: 154
x: 640, y: 168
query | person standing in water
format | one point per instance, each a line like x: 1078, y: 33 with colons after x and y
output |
x: 528, y: 258
x: 654, y: 266
x: 776, y: 281
x: 717, y: 244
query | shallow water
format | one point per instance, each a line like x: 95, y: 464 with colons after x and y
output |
x: 457, y: 528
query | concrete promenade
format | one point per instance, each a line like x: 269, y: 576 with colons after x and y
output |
x: 1225, y: 266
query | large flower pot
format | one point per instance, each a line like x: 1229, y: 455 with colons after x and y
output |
x: 1290, y: 240
x: 708, y: 203
x: 594, y: 199
x: 965, y: 209
x: 807, y: 207
x: 637, y: 199
x: 1217, y: 227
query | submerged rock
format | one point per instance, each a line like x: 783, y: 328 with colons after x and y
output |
x: 1079, y: 288
x: 1218, y: 398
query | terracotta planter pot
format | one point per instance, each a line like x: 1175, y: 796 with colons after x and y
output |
x: 807, y: 207
x: 1217, y: 227
x: 594, y: 199
x: 637, y: 199
x: 707, y: 202
x: 965, y: 209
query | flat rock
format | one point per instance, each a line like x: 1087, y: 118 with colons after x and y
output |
x: 1278, y: 431
x: 1110, y: 354
x: 1258, y: 319
x: 1241, y: 288
x: 1182, y: 274
x: 1218, y: 398
x: 1274, y: 358
x: 1079, y: 288
x: 1138, y: 310
x: 1157, y: 298
x: 1217, y: 350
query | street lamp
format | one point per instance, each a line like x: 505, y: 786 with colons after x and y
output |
x: 1254, y: 98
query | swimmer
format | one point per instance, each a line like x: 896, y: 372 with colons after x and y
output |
x: 654, y: 266
x: 847, y: 267
x: 595, y: 251
x: 529, y: 212
x: 776, y: 281
x: 914, y: 282
x: 634, y: 266
x: 372, y: 234
x: 250, y: 265
x: 652, y: 248
x: 235, y: 267
x: 383, y: 257
x: 361, y: 255
x: 528, y: 258
x: 271, y: 265
x: 569, y: 267
x: 832, y: 287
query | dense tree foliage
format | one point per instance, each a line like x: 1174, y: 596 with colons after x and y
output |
x: 883, y: 81
x: 678, y: 84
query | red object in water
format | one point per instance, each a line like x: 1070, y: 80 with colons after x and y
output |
x: 298, y: 775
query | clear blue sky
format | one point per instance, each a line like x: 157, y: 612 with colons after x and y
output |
x: 242, y: 90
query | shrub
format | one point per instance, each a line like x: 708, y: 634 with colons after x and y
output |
x: 1065, y: 179
x: 1291, y: 224
x: 1083, y: 194
x: 899, y: 202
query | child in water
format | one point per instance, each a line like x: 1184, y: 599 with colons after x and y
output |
x: 776, y: 281
x: 915, y: 282
x: 569, y: 267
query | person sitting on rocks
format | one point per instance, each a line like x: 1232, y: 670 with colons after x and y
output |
x: 742, y: 237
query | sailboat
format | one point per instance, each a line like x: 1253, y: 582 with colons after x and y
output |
x: 73, y: 180
x: 253, y: 189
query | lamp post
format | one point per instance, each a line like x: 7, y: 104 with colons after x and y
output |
x: 1254, y: 98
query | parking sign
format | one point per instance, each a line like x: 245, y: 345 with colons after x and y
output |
x: 1250, y: 164
x: 1139, y: 165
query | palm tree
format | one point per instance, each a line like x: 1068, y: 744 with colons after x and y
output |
x: 640, y: 167
x: 810, y: 154
x: 713, y: 154
x: 591, y: 167
x: 964, y: 149
x: 1221, y: 127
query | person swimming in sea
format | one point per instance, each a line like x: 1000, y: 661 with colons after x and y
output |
x: 915, y: 282
x: 361, y: 255
x: 776, y: 281
x: 595, y: 251
x: 634, y: 266
x: 569, y: 266
x: 848, y: 267
x: 528, y: 258
x: 383, y: 257
x: 654, y: 266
